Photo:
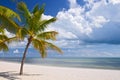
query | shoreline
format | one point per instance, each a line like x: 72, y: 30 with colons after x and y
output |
x: 9, y: 70
x: 60, y: 65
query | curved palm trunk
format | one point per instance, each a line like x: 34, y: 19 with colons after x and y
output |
x: 24, y: 56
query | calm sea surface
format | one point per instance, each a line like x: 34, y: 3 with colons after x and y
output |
x: 101, y: 63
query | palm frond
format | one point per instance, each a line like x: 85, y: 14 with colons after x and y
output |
x: 35, y: 9
x: 9, y: 24
x: 50, y: 35
x: 38, y: 13
x: 40, y: 46
x: 2, y: 31
x: 36, y: 23
x: 33, y: 22
x: 21, y: 34
x: 52, y: 46
x: 3, y: 37
x: 43, y: 23
x: 23, y: 11
x: 3, y: 46
x: 8, y: 13
x: 12, y: 39
x: 3, y: 42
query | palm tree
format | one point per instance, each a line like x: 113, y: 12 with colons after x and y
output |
x: 34, y: 30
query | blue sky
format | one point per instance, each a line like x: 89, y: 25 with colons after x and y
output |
x: 52, y: 6
x: 87, y: 28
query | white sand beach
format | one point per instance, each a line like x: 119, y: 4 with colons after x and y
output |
x: 10, y: 71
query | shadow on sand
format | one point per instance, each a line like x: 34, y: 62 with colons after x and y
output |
x: 12, y: 75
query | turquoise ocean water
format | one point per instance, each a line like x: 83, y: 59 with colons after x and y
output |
x: 99, y: 63
x: 68, y: 59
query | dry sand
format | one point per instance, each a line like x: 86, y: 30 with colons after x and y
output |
x: 9, y: 71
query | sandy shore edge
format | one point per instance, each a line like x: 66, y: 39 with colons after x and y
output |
x: 10, y: 71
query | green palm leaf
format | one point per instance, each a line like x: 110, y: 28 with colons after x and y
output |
x: 50, y: 35
x: 9, y: 24
x: 3, y: 42
x: 35, y: 9
x: 37, y: 13
x: 2, y: 30
x: 52, y: 46
x: 3, y: 46
x: 22, y: 33
x: 8, y: 13
x: 6, y: 19
x: 23, y: 11
x: 33, y: 22
x: 43, y: 23
x: 3, y: 37
x: 41, y: 46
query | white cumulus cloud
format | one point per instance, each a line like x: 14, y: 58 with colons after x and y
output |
x: 114, y: 1
x: 16, y: 51
x: 88, y: 22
